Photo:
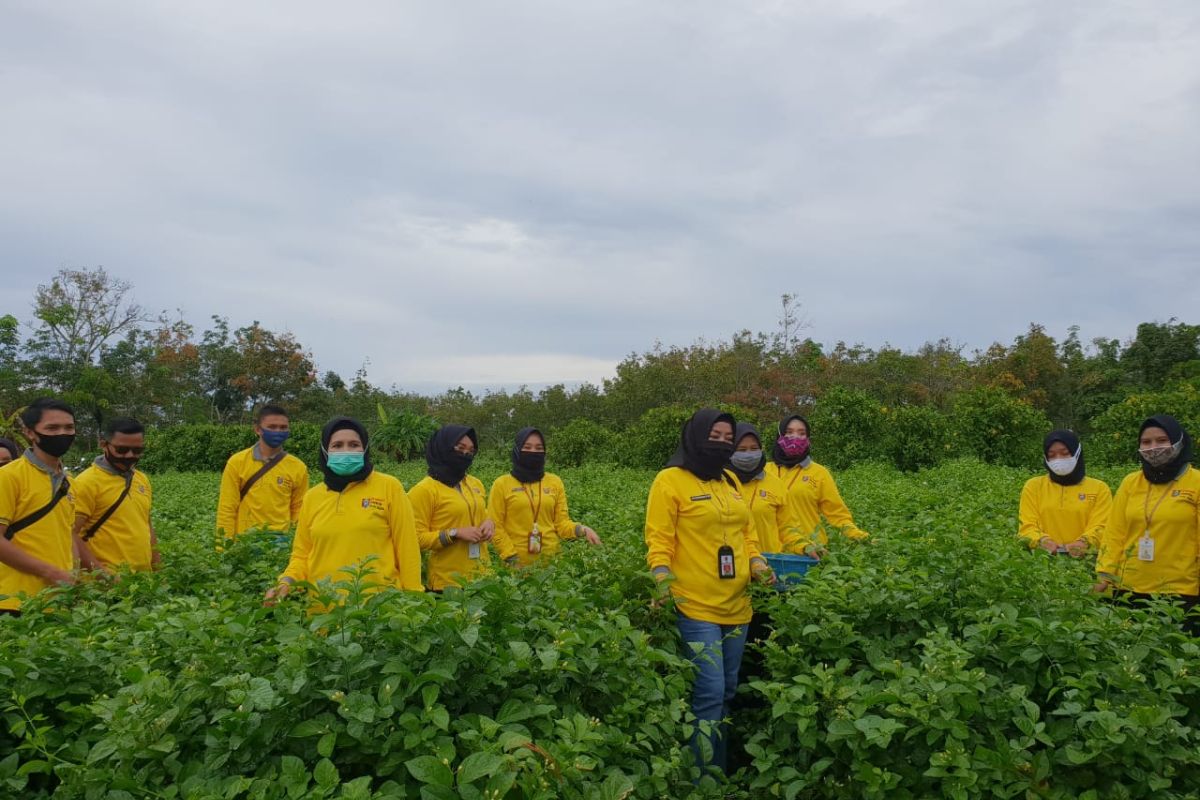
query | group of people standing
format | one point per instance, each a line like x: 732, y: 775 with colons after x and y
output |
x: 720, y: 504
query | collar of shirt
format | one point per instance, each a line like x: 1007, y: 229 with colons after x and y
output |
x: 56, y: 476
x: 103, y: 464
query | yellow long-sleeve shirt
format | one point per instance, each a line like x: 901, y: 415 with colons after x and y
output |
x: 25, y: 488
x: 813, y: 494
x: 687, y: 521
x: 338, y: 530
x: 125, y: 537
x: 514, y: 506
x: 1064, y: 513
x: 273, y: 501
x: 436, y: 509
x: 1174, y: 511
x: 774, y: 517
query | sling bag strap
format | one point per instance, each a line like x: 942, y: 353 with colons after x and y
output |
x: 32, y: 519
x: 91, y: 531
x: 263, y: 470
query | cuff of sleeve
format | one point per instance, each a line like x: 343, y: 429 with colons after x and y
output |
x: 578, y: 529
x: 661, y: 570
x: 759, y: 560
x: 444, y: 538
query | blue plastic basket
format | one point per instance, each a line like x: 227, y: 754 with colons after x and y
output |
x: 789, y: 570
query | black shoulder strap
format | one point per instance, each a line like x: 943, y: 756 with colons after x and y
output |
x: 263, y: 470
x: 23, y: 523
x: 91, y: 531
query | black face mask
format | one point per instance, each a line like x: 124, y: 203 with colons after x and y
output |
x: 121, y: 463
x: 55, y: 446
x: 715, y: 455
x: 535, y: 462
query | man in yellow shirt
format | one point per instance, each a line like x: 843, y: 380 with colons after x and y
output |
x: 37, y: 507
x: 262, y: 485
x: 112, y: 504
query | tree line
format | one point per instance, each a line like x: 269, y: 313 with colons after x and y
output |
x: 87, y: 340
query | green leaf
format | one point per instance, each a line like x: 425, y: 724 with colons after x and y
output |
x: 428, y: 769
x: 326, y: 774
x: 477, y: 765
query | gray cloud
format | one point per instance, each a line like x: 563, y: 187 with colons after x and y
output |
x: 499, y: 194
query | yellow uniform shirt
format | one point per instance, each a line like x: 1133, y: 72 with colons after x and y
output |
x: 338, y: 530
x: 514, y: 506
x: 1064, y: 513
x: 1174, y: 512
x: 436, y: 509
x: 125, y: 536
x: 687, y: 521
x: 813, y: 494
x: 273, y: 501
x: 25, y: 488
x: 774, y: 518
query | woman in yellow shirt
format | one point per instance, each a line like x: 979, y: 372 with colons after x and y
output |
x: 529, y: 506
x: 701, y: 542
x: 774, y: 517
x: 810, y: 487
x: 1152, y: 539
x: 450, y: 509
x: 355, y: 514
x: 1064, y: 511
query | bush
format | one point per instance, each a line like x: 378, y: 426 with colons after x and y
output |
x: 402, y: 436
x: 1113, y: 440
x: 206, y: 448
x: 916, y: 437
x: 581, y: 441
x: 651, y: 440
x: 995, y: 427
x: 847, y: 428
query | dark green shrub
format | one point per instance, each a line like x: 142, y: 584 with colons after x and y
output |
x: 916, y: 437
x: 582, y: 441
x: 847, y: 426
x: 996, y: 427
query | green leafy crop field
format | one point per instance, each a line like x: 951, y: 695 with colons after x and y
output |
x: 939, y: 660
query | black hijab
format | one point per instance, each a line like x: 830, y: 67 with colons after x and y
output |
x: 445, y: 463
x: 705, y: 459
x: 1071, y: 441
x: 339, y: 482
x: 777, y: 454
x: 1169, y: 471
x: 11, y: 446
x: 743, y: 430
x: 527, y: 467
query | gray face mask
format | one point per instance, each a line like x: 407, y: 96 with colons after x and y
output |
x: 746, y: 460
x: 1161, y: 456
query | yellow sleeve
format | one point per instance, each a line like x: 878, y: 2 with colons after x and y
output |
x: 85, y: 496
x: 835, y: 511
x: 297, y: 568
x: 562, y: 516
x: 496, y: 510
x: 423, y: 504
x: 753, y: 551
x: 1112, y: 543
x: 662, y: 517
x: 9, y: 494
x: 1031, y: 523
x: 227, y: 505
x: 299, y: 489
x: 1097, y: 521
x: 404, y: 539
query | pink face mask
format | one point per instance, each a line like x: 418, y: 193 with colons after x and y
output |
x: 793, y: 446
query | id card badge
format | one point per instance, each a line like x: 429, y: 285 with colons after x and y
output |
x: 1146, y: 548
x: 472, y: 549
x: 535, y: 540
x: 725, y: 565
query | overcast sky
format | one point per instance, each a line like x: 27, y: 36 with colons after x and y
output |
x: 491, y: 194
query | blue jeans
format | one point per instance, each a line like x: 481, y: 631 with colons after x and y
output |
x: 717, y: 662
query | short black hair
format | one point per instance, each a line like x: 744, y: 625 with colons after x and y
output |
x: 122, y: 425
x: 32, y: 414
x: 270, y: 410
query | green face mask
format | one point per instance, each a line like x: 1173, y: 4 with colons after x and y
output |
x: 346, y: 463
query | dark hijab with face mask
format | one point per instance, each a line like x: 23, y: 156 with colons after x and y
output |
x: 1179, y: 437
x: 743, y: 430
x: 339, y: 482
x: 445, y: 463
x: 778, y: 455
x: 698, y: 454
x: 1069, y: 440
x: 528, y: 467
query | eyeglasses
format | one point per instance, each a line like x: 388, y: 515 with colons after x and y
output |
x: 127, y: 451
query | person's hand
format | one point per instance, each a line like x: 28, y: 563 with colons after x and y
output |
x: 1048, y: 544
x: 488, y: 529
x: 662, y: 589
x: 469, y: 534
x: 815, y: 551
x: 60, y: 577
x: 590, y: 535
x: 762, y: 573
x: 1077, y: 548
x: 1102, y: 586
x: 276, y: 594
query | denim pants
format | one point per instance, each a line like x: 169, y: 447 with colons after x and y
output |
x: 717, y: 660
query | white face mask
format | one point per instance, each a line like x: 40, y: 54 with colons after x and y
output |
x: 1064, y: 466
x: 1161, y: 456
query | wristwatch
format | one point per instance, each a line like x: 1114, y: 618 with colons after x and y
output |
x: 452, y: 534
